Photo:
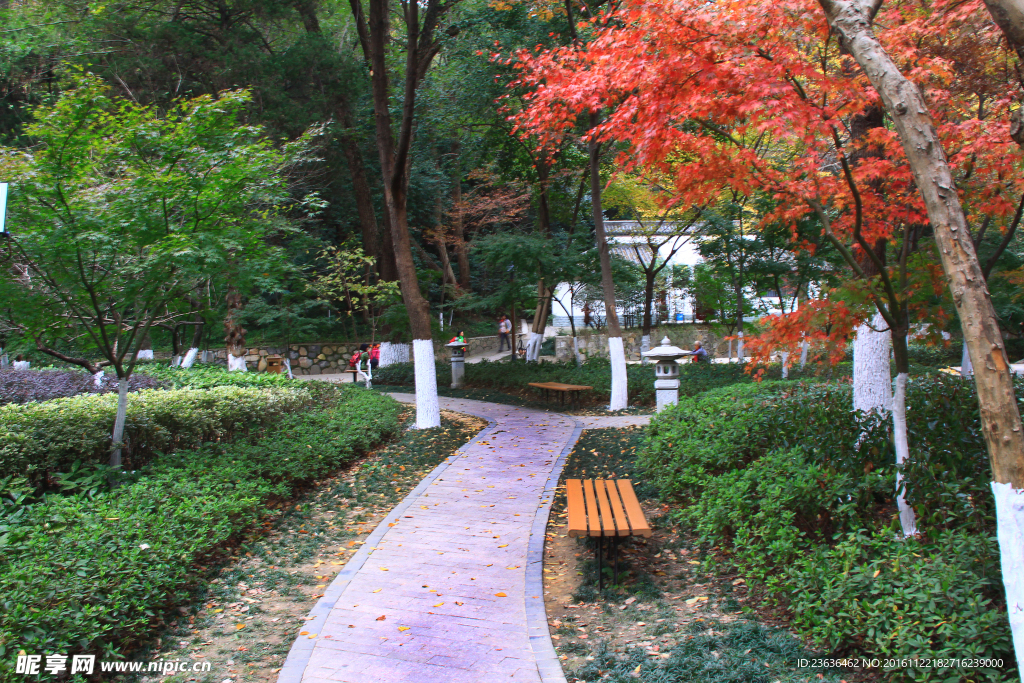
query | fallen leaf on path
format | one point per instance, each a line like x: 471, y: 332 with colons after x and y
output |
x: 403, y: 628
x: 382, y: 617
x: 500, y: 595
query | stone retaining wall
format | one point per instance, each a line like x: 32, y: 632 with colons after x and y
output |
x: 683, y: 335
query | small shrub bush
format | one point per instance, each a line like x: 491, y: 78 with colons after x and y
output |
x: 20, y: 386
x: 40, y: 438
x: 93, y: 574
x: 209, y: 376
x: 792, y: 487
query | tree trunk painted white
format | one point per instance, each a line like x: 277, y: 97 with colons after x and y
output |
x: 966, y: 369
x: 739, y: 347
x: 872, y: 383
x: 288, y: 367
x: 367, y: 372
x: 785, y: 364
x: 4, y: 362
x: 620, y: 388
x: 804, y: 346
x: 21, y: 364
x: 730, y: 350
x: 533, y: 345
x: 145, y: 354
x: 393, y: 353
x: 119, y: 420
x: 190, y: 358
x: 428, y: 409
x: 175, y: 361
x: 1010, y: 532
x: 908, y: 520
x: 576, y: 350
x: 236, y: 363
x: 645, y: 345
x: 97, y: 379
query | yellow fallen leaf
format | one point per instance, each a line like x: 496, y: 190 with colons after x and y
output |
x: 337, y: 563
x: 515, y: 567
x: 378, y: 590
x: 500, y: 595
x: 460, y: 604
x: 239, y: 626
x: 217, y: 610
x: 312, y: 635
x: 303, y: 633
x: 383, y: 569
x: 322, y: 585
x: 438, y: 604
x: 403, y: 628
x: 503, y: 545
x: 692, y: 562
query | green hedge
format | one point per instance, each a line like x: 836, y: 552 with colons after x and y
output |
x: 40, y: 438
x: 787, y: 484
x: 208, y: 376
x: 93, y: 575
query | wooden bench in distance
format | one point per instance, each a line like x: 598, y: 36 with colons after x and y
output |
x: 572, y: 389
x: 604, y: 508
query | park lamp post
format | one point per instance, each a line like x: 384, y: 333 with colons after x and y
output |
x: 458, y: 362
x: 666, y: 372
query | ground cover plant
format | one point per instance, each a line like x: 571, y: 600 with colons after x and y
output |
x: 93, y: 571
x: 19, y: 386
x: 667, y: 619
x: 277, y: 571
x: 203, y: 376
x: 787, y: 485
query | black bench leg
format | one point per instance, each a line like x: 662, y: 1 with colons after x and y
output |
x: 615, y: 561
x: 600, y: 573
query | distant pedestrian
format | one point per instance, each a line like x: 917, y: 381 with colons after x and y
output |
x: 374, y: 356
x: 699, y: 354
x: 504, y: 329
x: 588, y: 321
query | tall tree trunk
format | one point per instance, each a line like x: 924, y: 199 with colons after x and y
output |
x: 645, y: 332
x: 908, y: 519
x: 369, y: 231
x: 458, y: 225
x: 395, y: 162
x: 234, y: 333
x: 872, y: 385
x: 616, y: 351
x: 1000, y: 418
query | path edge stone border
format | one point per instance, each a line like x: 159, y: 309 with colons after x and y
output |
x: 302, y: 648
x: 548, y: 664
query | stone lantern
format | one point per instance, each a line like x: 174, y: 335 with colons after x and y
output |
x: 458, y: 362
x: 666, y: 372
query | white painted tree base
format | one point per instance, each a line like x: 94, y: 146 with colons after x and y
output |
x: 428, y: 409
x: 1010, y: 531
x: 145, y: 354
x: 908, y: 519
x: 288, y: 368
x: 739, y: 347
x: 190, y: 358
x: 533, y: 345
x: 966, y: 369
x: 804, y: 347
x: 785, y: 364
x: 620, y: 387
x: 576, y: 350
x: 175, y: 361
x: 872, y: 386
x: 21, y: 364
x: 236, y: 363
x: 97, y: 379
x: 393, y: 353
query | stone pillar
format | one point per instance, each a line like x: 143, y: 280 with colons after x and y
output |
x: 666, y: 391
x: 458, y: 363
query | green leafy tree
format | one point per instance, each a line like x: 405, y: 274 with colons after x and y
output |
x: 118, y: 212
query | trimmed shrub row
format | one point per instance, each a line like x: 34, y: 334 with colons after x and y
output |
x: 20, y: 386
x: 41, y: 438
x: 94, y: 574
x: 790, y: 486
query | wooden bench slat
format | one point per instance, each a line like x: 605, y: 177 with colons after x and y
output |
x: 607, y: 521
x: 577, y: 511
x: 621, y: 522
x: 637, y: 522
x: 593, y: 519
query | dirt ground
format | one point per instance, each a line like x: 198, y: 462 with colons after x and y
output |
x: 244, y: 620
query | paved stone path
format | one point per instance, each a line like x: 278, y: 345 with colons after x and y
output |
x: 449, y: 587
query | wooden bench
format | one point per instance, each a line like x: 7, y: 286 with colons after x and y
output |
x: 605, y: 509
x: 572, y: 389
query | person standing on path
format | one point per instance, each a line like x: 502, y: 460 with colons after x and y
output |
x: 504, y: 328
